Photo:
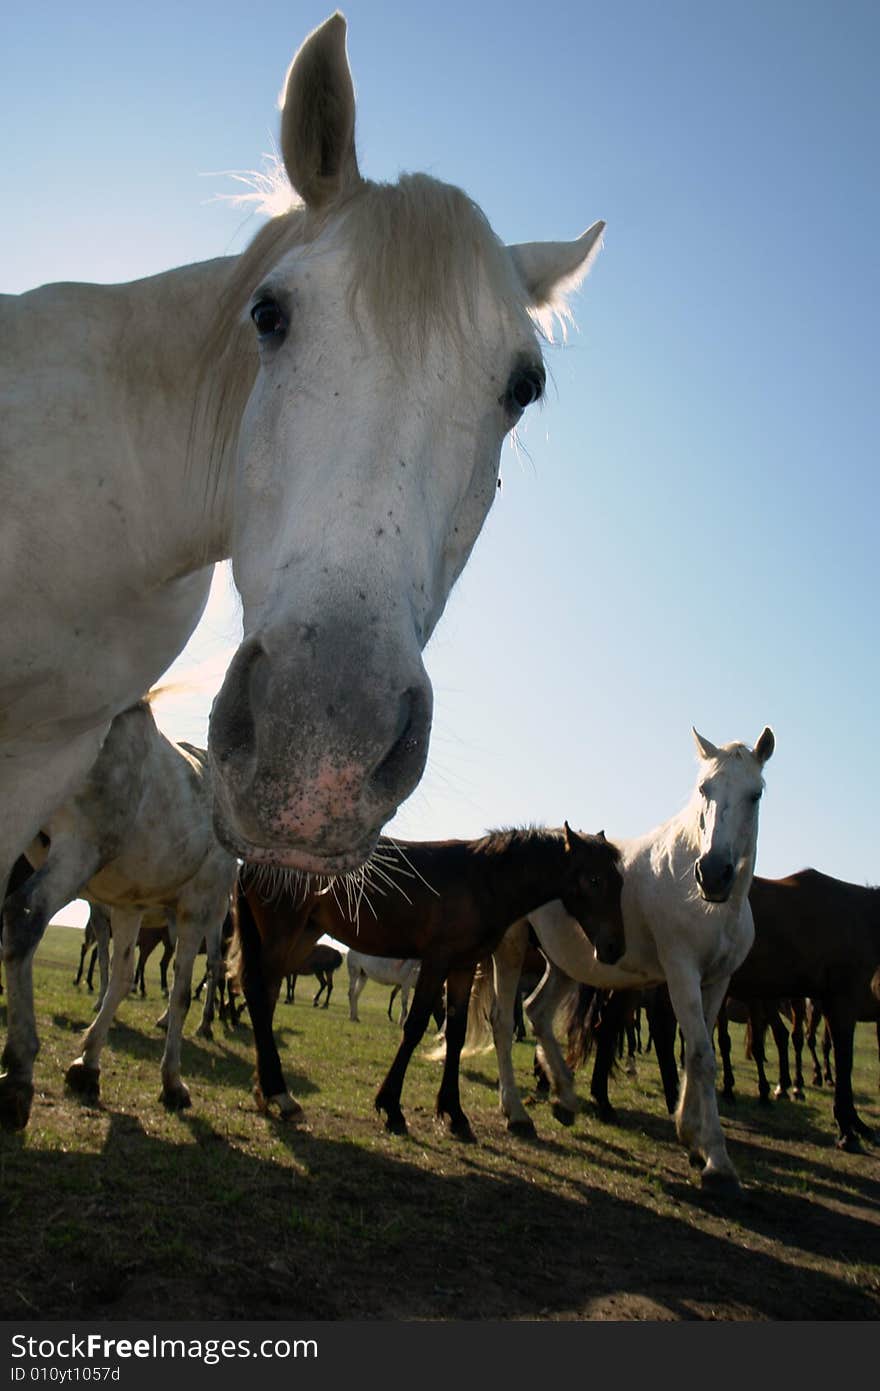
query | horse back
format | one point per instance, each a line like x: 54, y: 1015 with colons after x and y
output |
x: 814, y: 935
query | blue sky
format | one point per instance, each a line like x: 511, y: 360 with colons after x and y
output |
x: 688, y: 534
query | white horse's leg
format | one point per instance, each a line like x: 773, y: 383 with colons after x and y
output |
x: 214, y: 956
x: 102, y: 941
x: 200, y: 911
x: 162, y: 1021
x: 697, y: 1123
x: 26, y: 914
x: 507, y: 960
x: 404, y: 1003
x: 356, y: 984
x: 540, y: 1009
x: 83, y: 1075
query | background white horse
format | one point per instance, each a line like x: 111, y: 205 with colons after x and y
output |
x: 328, y: 409
x: 137, y: 835
x: 384, y: 969
x: 687, y: 921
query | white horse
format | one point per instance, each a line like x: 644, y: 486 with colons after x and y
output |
x: 687, y: 921
x: 385, y: 970
x: 136, y: 836
x: 328, y: 410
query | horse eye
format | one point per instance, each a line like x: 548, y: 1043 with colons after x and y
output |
x: 269, y: 319
x: 526, y: 386
x: 756, y: 797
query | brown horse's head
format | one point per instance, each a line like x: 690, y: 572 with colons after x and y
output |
x: 594, y: 895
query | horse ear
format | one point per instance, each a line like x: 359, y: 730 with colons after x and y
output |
x: 317, y: 119
x: 549, y: 268
x: 705, y: 748
x: 765, y: 745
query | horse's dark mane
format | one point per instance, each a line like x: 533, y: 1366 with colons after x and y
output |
x: 506, y: 838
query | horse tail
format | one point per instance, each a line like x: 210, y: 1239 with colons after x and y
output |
x: 478, y: 1036
x: 875, y: 984
x: 580, y: 1015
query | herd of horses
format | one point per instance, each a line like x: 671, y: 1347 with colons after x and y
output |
x: 328, y: 410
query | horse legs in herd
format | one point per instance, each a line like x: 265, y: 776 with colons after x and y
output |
x: 326, y: 985
x: 33, y: 897
x: 430, y: 981
x: 356, y: 984
x: 757, y: 1029
x: 540, y: 1009
x: 696, y: 1118
x: 663, y: 1024
x: 780, y: 1038
x: 84, y: 1074
x: 261, y: 977
x: 611, y: 1018
x: 214, y: 973
x: 841, y: 1021
x: 507, y: 960
x: 798, y: 1011
x: 728, y: 1079
x: 458, y: 990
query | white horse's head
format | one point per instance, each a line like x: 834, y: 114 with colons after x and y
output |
x: 392, y: 346
x: 728, y: 794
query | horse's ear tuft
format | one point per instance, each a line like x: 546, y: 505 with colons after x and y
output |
x: 705, y: 748
x: 765, y: 745
x: 317, y: 118
x: 549, y: 269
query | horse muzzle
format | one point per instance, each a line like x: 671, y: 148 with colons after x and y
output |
x: 715, y: 874
x: 309, y: 759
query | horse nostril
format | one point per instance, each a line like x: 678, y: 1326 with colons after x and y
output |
x: 233, y: 732
x: 409, y: 747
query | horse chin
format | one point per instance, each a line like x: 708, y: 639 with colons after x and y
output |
x: 291, y: 857
x: 715, y: 899
x: 305, y: 862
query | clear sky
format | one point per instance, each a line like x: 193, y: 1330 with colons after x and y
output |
x: 689, y: 533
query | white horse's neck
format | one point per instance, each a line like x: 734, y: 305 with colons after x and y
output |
x: 170, y: 448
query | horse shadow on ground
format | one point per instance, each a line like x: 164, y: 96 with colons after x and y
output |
x: 156, y: 1228
x: 201, y: 1059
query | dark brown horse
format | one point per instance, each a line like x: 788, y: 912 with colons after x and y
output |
x: 322, y: 962
x: 446, y: 903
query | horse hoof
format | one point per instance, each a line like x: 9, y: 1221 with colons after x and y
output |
x: 461, y: 1130
x: 781, y: 1094
x: 15, y: 1103
x: 695, y: 1159
x: 563, y: 1114
x: 798, y: 1094
x: 162, y: 1023
x: 606, y: 1113
x: 205, y: 1031
x: 84, y: 1080
x: 850, y: 1143
x: 396, y: 1125
x: 524, y: 1128
x: 175, y: 1097
x: 282, y: 1105
x: 764, y: 1098
x: 729, y: 1097
x: 722, y: 1182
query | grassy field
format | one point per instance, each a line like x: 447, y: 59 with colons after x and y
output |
x: 125, y: 1211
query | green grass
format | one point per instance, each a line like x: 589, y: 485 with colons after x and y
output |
x: 124, y: 1210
